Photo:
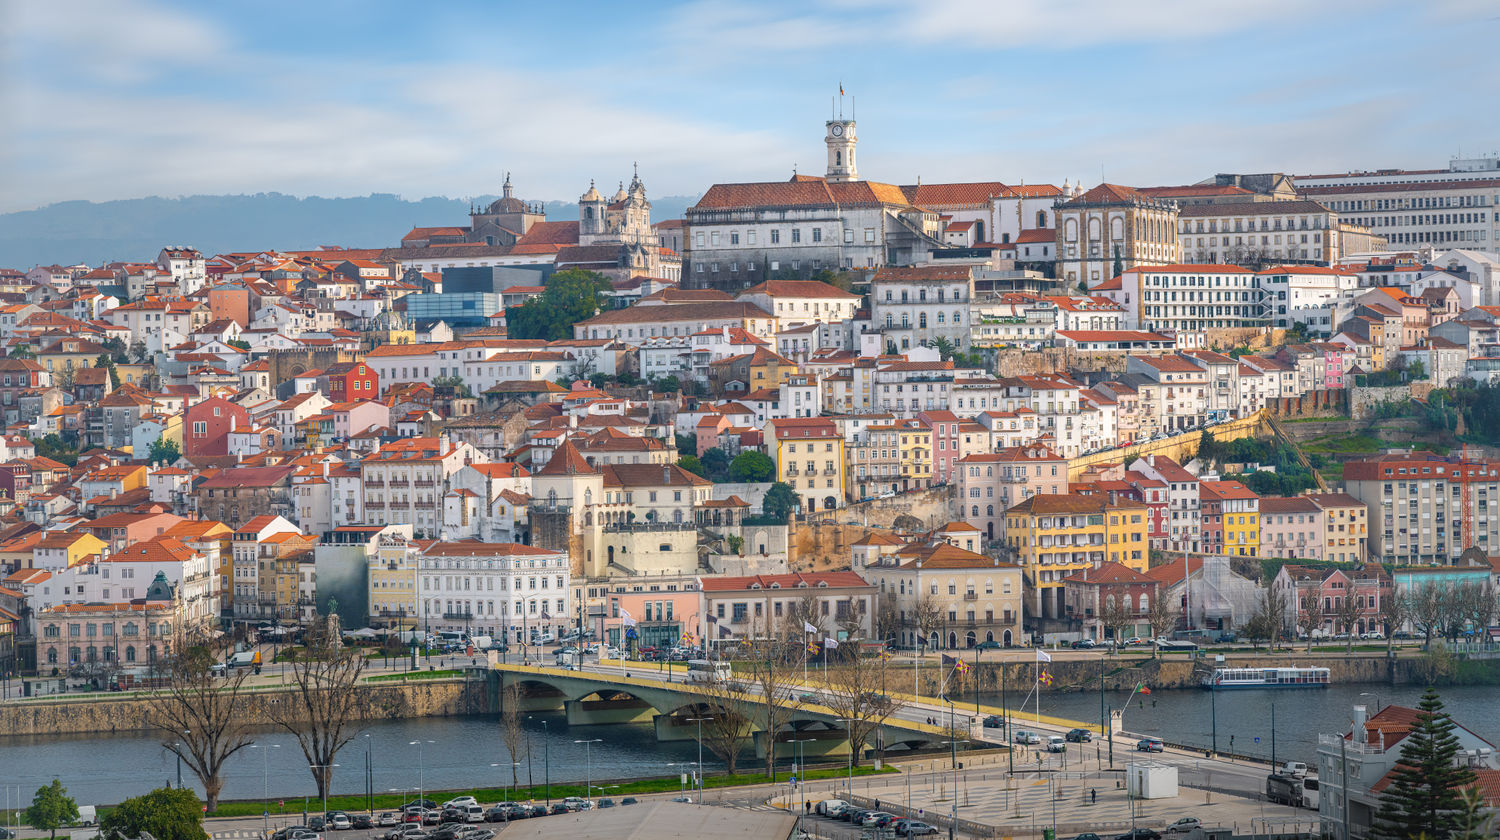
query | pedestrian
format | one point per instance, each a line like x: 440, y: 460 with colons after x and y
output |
x: 1093, y: 796
x: 877, y: 804
x: 807, y: 807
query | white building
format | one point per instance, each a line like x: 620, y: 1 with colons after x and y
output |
x: 913, y: 307
x: 1187, y: 298
x: 1304, y: 294
x: 504, y: 590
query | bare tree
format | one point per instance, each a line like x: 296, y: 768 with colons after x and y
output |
x: 1395, y: 611
x: 887, y: 619
x: 1309, y: 614
x: 853, y: 692
x: 804, y: 611
x: 511, y: 727
x: 851, y: 620
x: 1427, y: 604
x: 1115, y: 615
x: 1481, y: 606
x: 774, y: 677
x: 926, y: 615
x: 201, y: 716
x: 1346, y: 614
x: 727, y: 712
x: 325, y: 703
x: 1162, y: 618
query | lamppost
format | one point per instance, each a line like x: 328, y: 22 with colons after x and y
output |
x: 699, y: 721
x: 265, y: 787
x: 421, y: 768
x: 588, y: 767
x: 513, y: 765
x: 849, y: 730
x: 802, y: 769
x: 954, y: 816
x: 547, y: 749
x: 1378, y: 707
x: 369, y: 779
x: 324, y: 778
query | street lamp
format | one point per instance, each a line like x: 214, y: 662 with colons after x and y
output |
x: 547, y: 747
x: 849, y: 730
x: 369, y: 779
x: 1378, y: 707
x: 588, y: 770
x: 954, y: 820
x: 323, y: 778
x: 265, y: 788
x: 699, y: 721
x: 802, y: 768
x: 421, y: 769
x: 513, y: 766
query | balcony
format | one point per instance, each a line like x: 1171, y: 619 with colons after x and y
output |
x: 971, y: 596
x: 422, y: 483
x: 458, y: 616
x: 374, y: 483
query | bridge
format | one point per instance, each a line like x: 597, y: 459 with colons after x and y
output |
x: 603, y: 698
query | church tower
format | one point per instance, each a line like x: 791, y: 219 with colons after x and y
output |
x: 840, y: 140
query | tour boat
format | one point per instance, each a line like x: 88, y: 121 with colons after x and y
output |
x: 1293, y: 677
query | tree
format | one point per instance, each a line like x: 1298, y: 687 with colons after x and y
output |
x: 1473, y: 822
x: 1426, y: 606
x: 453, y: 383
x: 927, y: 615
x: 727, y: 710
x: 165, y: 813
x: 945, y: 348
x: 1119, y: 265
x: 752, y: 466
x: 692, y: 465
x: 1347, y: 612
x: 1423, y: 798
x: 1395, y: 610
x: 852, y: 620
x: 200, y: 716
x: 854, y: 693
x: 163, y: 451
x: 51, y: 808
x: 773, y: 674
x: 140, y: 352
x: 325, y: 701
x: 887, y: 620
x: 779, y: 502
x: 1115, y: 615
x: 1309, y: 614
x: 716, y: 462
x: 1162, y: 617
x: 687, y: 444
x: 570, y: 296
x: 512, y: 727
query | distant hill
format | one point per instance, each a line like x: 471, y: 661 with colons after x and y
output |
x: 136, y: 229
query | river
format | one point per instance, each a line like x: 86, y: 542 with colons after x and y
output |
x: 457, y: 752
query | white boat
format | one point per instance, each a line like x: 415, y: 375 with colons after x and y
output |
x: 1293, y: 677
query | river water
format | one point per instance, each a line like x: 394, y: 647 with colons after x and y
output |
x: 457, y: 753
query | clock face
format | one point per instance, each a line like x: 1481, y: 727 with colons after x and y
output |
x: 838, y: 130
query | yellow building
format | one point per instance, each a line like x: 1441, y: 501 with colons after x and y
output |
x: 809, y: 455
x: 768, y: 369
x: 65, y: 549
x: 1231, y: 518
x: 393, y: 583
x: 916, y: 455
x: 1054, y: 536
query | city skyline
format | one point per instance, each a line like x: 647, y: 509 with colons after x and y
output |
x: 126, y: 100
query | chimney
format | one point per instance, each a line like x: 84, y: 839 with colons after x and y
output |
x: 1361, y: 716
x: 666, y: 473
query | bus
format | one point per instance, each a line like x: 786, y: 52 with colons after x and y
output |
x: 706, y: 671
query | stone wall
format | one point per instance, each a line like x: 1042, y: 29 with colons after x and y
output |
x: 65, y: 715
x: 822, y: 542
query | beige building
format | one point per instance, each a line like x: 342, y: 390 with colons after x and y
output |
x: 1112, y: 223
x: 392, y: 581
x: 948, y: 597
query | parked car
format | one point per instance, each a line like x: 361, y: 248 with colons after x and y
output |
x: 1295, y: 769
x: 1084, y: 644
x: 559, y: 808
x: 606, y: 803
x: 363, y: 822
x: 387, y: 820
x: 873, y: 818
x: 1139, y: 834
x: 829, y: 807
x: 914, y: 828
x: 460, y: 800
x: 407, y: 833
x: 1087, y: 835
x: 420, y: 803
x: 1149, y: 745
x: 539, y: 810
x: 413, y: 815
x: 1184, y: 825
x: 432, y: 816
x: 986, y: 645
x: 1026, y: 736
x: 316, y: 824
x: 629, y: 800
x: 1080, y: 736
x: 284, y: 833
x: 993, y: 722
x: 1133, y: 640
x: 339, y: 821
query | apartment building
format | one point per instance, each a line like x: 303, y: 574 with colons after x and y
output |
x: 1425, y: 508
x: 991, y: 483
x: 1054, y: 537
x: 969, y: 598
x: 503, y: 590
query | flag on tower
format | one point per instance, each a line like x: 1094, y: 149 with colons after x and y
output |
x: 841, y: 88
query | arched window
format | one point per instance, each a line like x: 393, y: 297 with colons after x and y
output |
x: 588, y: 496
x: 552, y: 498
x: 1145, y: 604
x: 838, y: 158
x: 73, y: 655
x: 130, y: 653
x: 51, y: 656
x: 989, y: 510
x: 958, y: 317
x: 974, y: 511
x: 1041, y: 218
x: 922, y: 320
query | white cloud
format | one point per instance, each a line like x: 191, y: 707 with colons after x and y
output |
x: 113, y: 41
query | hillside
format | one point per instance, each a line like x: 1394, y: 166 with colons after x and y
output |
x: 135, y: 229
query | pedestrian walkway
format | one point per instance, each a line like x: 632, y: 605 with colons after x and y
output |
x: 237, y: 834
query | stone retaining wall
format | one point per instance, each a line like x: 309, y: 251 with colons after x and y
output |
x: 394, y: 700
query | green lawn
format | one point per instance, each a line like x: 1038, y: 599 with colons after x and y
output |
x: 417, y: 675
x: 389, y: 802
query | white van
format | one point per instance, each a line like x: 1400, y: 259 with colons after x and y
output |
x: 1295, y: 769
x: 1056, y: 744
x: 828, y: 807
x: 473, y: 813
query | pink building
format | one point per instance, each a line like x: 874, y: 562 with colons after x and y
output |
x: 1291, y: 527
x: 662, y: 615
x: 945, y: 454
x: 207, y: 423
x: 1369, y: 585
x: 991, y: 483
x: 708, y: 429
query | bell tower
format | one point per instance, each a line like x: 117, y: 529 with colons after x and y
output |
x: 841, y: 141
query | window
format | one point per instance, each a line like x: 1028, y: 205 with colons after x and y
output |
x: 796, y: 235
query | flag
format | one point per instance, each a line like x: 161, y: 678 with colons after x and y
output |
x: 808, y: 628
x: 1045, y: 678
x: 1141, y: 687
x: 831, y: 644
x: 1043, y: 656
x: 812, y: 646
x: 841, y: 88
x: 625, y: 618
x: 958, y: 664
x: 725, y: 633
x: 885, y: 655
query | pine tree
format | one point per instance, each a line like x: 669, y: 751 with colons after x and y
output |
x: 1425, y: 797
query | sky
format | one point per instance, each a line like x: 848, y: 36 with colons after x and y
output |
x: 110, y: 99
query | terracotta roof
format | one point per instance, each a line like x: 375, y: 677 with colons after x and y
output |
x: 1048, y: 504
x: 798, y: 289
x: 567, y: 460
x: 796, y: 580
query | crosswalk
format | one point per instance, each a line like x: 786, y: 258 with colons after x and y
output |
x: 238, y: 834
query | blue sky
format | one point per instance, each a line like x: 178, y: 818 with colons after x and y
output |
x: 109, y: 99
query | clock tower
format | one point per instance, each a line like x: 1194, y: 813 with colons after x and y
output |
x: 841, y: 142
